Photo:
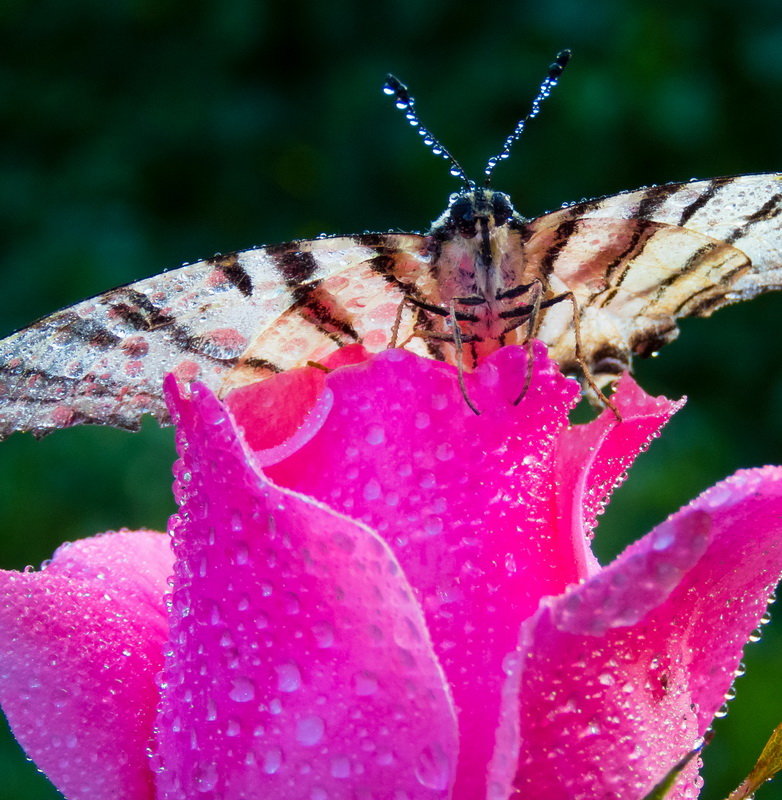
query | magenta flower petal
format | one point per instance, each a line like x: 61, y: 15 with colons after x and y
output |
x: 593, y: 458
x: 468, y: 504
x: 300, y: 663
x: 464, y: 501
x: 81, y: 643
x: 620, y: 675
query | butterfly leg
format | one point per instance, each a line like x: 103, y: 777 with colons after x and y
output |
x: 580, y: 360
x: 536, y: 289
x: 395, y: 329
x: 458, y: 339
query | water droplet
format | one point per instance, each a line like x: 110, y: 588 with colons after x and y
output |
x: 375, y: 434
x: 432, y: 768
x: 242, y: 555
x: 288, y: 677
x: 310, y: 730
x: 340, y: 767
x: 205, y: 777
x: 371, y: 490
x: 422, y: 420
x: 364, y: 683
x: 444, y: 451
x: 323, y: 633
x: 242, y: 690
x: 272, y: 760
x: 388, y: 89
x: 402, y: 105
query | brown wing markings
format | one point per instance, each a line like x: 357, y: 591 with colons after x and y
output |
x: 320, y: 308
x: 654, y: 198
x: 634, y: 250
x: 563, y: 232
x: 294, y: 265
x: 236, y: 274
x: 709, y: 298
x: 144, y: 315
x: 712, y: 187
x: 70, y: 326
x: 770, y: 209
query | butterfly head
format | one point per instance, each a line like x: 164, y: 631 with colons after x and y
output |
x: 471, y: 212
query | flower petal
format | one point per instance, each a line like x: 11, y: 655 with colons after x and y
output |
x: 622, y: 674
x: 80, y: 644
x: 593, y: 459
x: 300, y: 665
x: 466, y: 503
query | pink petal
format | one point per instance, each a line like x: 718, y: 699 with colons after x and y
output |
x: 80, y: 644
x: 301, y: 665
x: 272, y: 411
x: 593, y: 460
x: 622, y: 674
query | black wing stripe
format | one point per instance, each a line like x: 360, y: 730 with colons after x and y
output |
x: 563, y: 232
x: 141, y: 313
x: 638, y: 242
x: 70, y: 327
x: 321, y: 309
x: 229, y: 265
x: 770, y: 209
x: 294, y: 266
x: 696, y: 205
x: 654, y: 198
x: 261, y: 364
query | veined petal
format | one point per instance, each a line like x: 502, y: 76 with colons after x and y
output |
x: 80, y: 644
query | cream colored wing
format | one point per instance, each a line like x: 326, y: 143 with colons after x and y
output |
x: 640, y: 260
x: 103, y: 360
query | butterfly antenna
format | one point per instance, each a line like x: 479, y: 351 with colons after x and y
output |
x: 555, y: 70
x: 404, y: 102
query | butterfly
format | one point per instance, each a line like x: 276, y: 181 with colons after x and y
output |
x: 599, y: 282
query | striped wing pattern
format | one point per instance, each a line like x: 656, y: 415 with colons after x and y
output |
x: 638, y: 261
x: 217, y: 321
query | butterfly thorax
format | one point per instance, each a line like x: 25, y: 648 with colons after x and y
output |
x: 477, y: 261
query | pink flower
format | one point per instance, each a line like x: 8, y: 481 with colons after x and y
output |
x: 378, y: 594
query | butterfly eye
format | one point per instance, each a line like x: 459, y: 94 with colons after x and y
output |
x: 501, y: 208
x: 463, y: 216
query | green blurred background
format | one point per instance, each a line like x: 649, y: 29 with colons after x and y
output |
x: 139, y: 134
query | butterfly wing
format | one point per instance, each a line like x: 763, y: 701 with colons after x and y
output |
x: 640, y: 260
x: 255, y: 312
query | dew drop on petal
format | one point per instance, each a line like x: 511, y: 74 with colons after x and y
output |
x: 364, y: 683
x: 375, y: 434
x: 242, y: 690
x: 371, y: 490
x: 324, y: 634
x: 310, y: 730
x: 272, y: 760
x: 288, y: 677
x: 205, y: 777
x: 432, y: 768
x: 340, y: 767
